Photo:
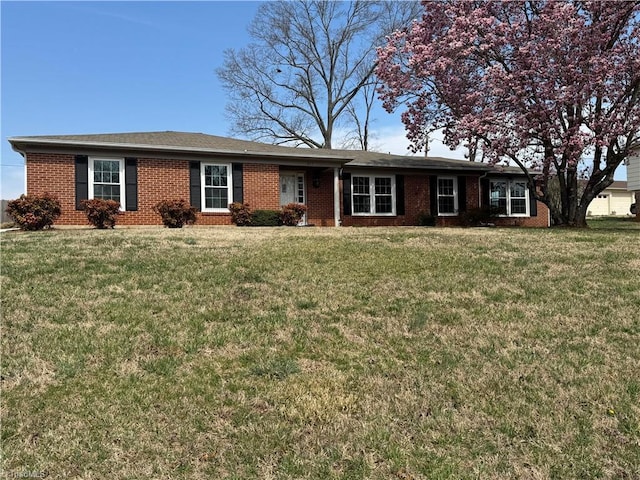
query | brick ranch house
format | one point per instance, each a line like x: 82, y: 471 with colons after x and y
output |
x: 339, y: 187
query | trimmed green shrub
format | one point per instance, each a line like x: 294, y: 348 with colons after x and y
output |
x: 101, y: 213
x: 265, y: 218
x: 34, y: 212
x: 240, y: 214
x: 426, y: 220
x: 175, y: 213
x: 292, y: 213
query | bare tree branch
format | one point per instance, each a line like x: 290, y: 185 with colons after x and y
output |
x: 309, y: 70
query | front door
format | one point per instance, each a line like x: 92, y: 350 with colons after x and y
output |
x: 292, y: 190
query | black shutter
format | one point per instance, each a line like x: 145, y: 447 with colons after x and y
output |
x: 82, y: 180
x: 485, y: 192
x: 462, y: 194
x: 194, y: 185
x: 399, y: 194
x: 433, y: 195
x: 533, y: 204
x: 131, y: 184
x: 236, y: 174
x: 346, y: 193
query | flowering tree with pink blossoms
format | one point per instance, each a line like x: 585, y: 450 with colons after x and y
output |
x: 553, y: 87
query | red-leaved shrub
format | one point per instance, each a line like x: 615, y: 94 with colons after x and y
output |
x: 292, y: 213
x: 101, y: 213
x: 175, y: 213
x: 240, y: 214
x: 34, y: 212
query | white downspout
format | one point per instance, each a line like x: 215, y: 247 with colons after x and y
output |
x: 336, y: 197
x: 24, y: 156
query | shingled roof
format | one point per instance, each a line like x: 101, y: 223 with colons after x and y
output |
x: 168, y: 141
x: 200, y: 143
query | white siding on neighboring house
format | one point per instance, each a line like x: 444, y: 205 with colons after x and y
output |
x: 633, y: 173
x: 615, y: 200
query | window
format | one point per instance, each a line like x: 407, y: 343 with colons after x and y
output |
x: 216, y: 187
x: 509, y: 197
x: 106, y: 179
x: 447, y: 196
x: 373, y: 195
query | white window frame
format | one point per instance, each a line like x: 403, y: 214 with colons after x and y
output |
x: 123, y: 200
x: 527, y: 197
x: 372, y: 195
x: 455, y: 197
x: 203, y: 187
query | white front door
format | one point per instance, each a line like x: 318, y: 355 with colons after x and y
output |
x: 292, y: 190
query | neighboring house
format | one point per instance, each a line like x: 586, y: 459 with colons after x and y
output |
x: 339, y: 187
x: 633, y: 179
x: 613, y: 200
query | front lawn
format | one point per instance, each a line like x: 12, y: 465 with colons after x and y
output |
x: 321, y: 353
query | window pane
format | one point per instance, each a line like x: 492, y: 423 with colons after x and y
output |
x: 518, y: 189
x: 518, y: 206
x: 107, y: 192
x: 383, y: 186
x: 215, y: 198
x: 300, y: 189
x: 384, y: 204
x: 361, y: 204
x: 500, y: 205
x: 446, y: 205
x: 106, y: 171
x: 360, y: 185
x: 215, y: 176
x: 498, y: 190
x: 445, y: 186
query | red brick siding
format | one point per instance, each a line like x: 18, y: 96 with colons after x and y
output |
x: 320, y: 199
x: 417, y: 199
x: 261, y: 185
x: 55, y: 174
x: 160, y: 179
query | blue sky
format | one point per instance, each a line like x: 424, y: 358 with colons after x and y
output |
x: 100, y: 67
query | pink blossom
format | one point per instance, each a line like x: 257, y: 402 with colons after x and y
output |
x: 543, y: 83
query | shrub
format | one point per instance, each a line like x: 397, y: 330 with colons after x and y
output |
x: 101, y: 213
x: 175, y: 213
x: 478, y: 217
x: 265, y: 218
x: 426, y: 220
x: 240, y: 214
x: 34, y: 212
x: 292, y: 213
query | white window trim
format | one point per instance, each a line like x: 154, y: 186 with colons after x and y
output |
x: 455, y: 196
x: 372, y: 195
x: 527, y: 197
x: 123, y: 200
x: 203, y: 187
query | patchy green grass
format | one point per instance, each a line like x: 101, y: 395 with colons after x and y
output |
x: 614, y: 223
x: 321, y: 353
